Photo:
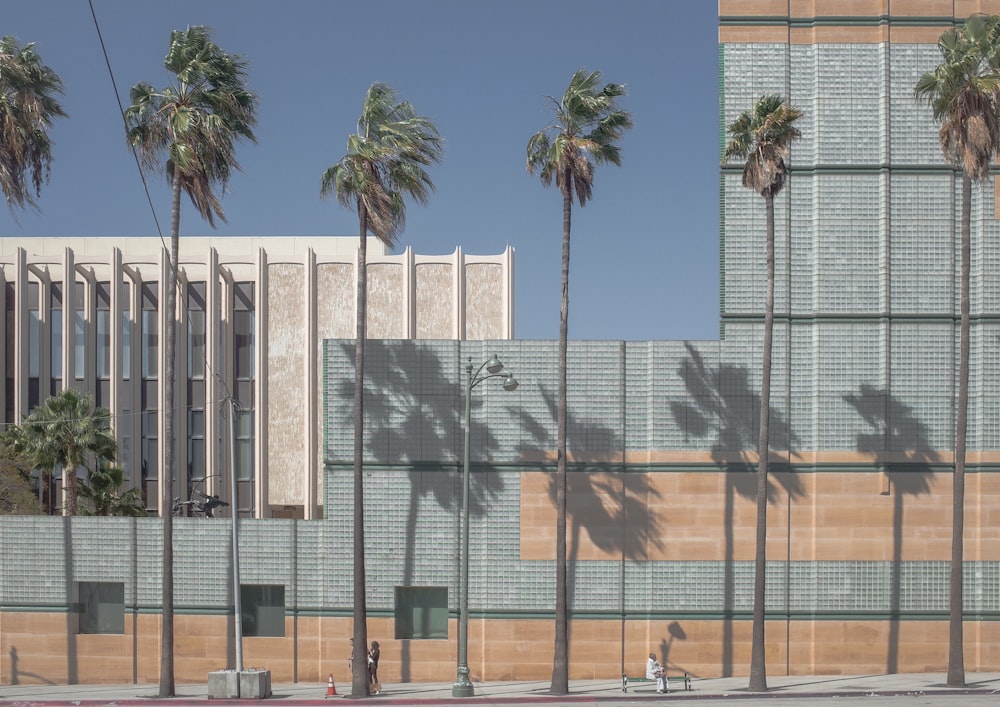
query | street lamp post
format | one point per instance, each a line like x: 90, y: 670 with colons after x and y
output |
x: 493, y: 367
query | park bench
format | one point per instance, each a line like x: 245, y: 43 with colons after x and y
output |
x: 685, y: 678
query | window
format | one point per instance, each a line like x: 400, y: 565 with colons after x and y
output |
x: 56, y: 334
x: 421, y: 612
x: 102, y: 607
x: 263, y: 609
x: 34, y: 346
x: 244, y: 352
x: 150, y: 331
x: 196, y: 330
x: 9, y: 328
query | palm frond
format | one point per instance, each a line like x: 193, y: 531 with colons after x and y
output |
x: 385, y: 162
x: 585, y: 130
x: 27, y: 109
x: 963, y: 92
x: 762, y: 135
x: 191, y: 127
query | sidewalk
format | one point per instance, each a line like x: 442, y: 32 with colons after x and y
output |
x: 506, y: 692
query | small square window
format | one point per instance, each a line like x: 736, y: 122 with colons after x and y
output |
x: 421, y: 612
x: 102, y: 607
x: 263, y: 609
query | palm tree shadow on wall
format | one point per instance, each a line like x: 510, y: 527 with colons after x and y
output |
x: 400, y: 419
x: 722, y: 396
x: 899, y: 443
x: 596, y: 499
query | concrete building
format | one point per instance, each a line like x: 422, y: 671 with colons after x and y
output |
x: 662, y: 439
x: 85, y: 313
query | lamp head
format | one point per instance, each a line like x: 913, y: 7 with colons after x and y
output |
x: 494, y: 365
x: 510, y: 382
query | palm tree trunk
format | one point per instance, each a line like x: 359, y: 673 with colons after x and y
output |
x: 69, y: 477
x: 956, y: 653
x: 758, y: 662
x: 560, y: 658
x: 359, y: 676
x: 167, y: 472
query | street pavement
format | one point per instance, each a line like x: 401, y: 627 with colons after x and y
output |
x: 791, y: 691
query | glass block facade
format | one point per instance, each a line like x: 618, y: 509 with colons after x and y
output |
x: 866, y: 229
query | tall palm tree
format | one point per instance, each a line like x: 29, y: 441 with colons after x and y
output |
x: 27, y: 108
x: 66, y: 431
x: 963, y: 92
x: 762, y: 136
x: 584, y: 132
x: 385, y: 161
x: 192, y: 125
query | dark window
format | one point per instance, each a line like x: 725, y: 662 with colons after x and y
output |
x: 10, y: 295
x: 421, y: 612
x: 263, y: 609
x: 150, y: 331
x: 102, y: 607
x: 80, y: 331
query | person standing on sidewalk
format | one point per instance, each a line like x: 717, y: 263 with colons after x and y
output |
x: 373, y: 656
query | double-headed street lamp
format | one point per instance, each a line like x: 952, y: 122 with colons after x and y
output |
x: 490, y: 369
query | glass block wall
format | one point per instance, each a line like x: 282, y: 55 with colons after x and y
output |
x: 866, y: 232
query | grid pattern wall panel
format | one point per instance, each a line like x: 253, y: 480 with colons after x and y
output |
x: 846, y: 98
x: 338, y: 516
x: 913, y: 134
x: 849, y: 228
x: 805, y: 426
x: 644, y: 395
x: 33, y: 560
x: 267, y: 555
x: 985, y: 236
x: 804, y: 93
x: 922, y: 385
x: 595, y: 402
x: 849, y: 363
x: 521, y: 420
x: 804, y: 202
x: 319, y: 579
x: 495, y: 545
x: 684, y: 399
x: 987, y: 355
x: 202, y: 561
x: 149, y: 568
x: 401, y: 525
x: 750, y: 71
x: 922, y: 243
x: 338, y: 400
x: 982, y: 586
x: 102, y: 550
x: 745, y: 246
x: 740, y: 381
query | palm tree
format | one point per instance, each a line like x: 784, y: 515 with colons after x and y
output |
x: 193, y: 125
x: 963, y: 93
x: 103, y: 490
x: 385, y: 161
x: 762, y: 136
x: 66, y: 431
x: 584, y: 131
x: 27, y: 108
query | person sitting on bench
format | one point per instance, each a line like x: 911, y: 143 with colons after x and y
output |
x: 654, y: 671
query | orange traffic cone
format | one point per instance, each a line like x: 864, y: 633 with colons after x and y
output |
x: 331, y: 689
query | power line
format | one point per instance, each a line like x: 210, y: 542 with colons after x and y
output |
x: 121, y: 111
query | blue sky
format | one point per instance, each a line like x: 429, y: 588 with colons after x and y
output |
x: 644, y: 250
